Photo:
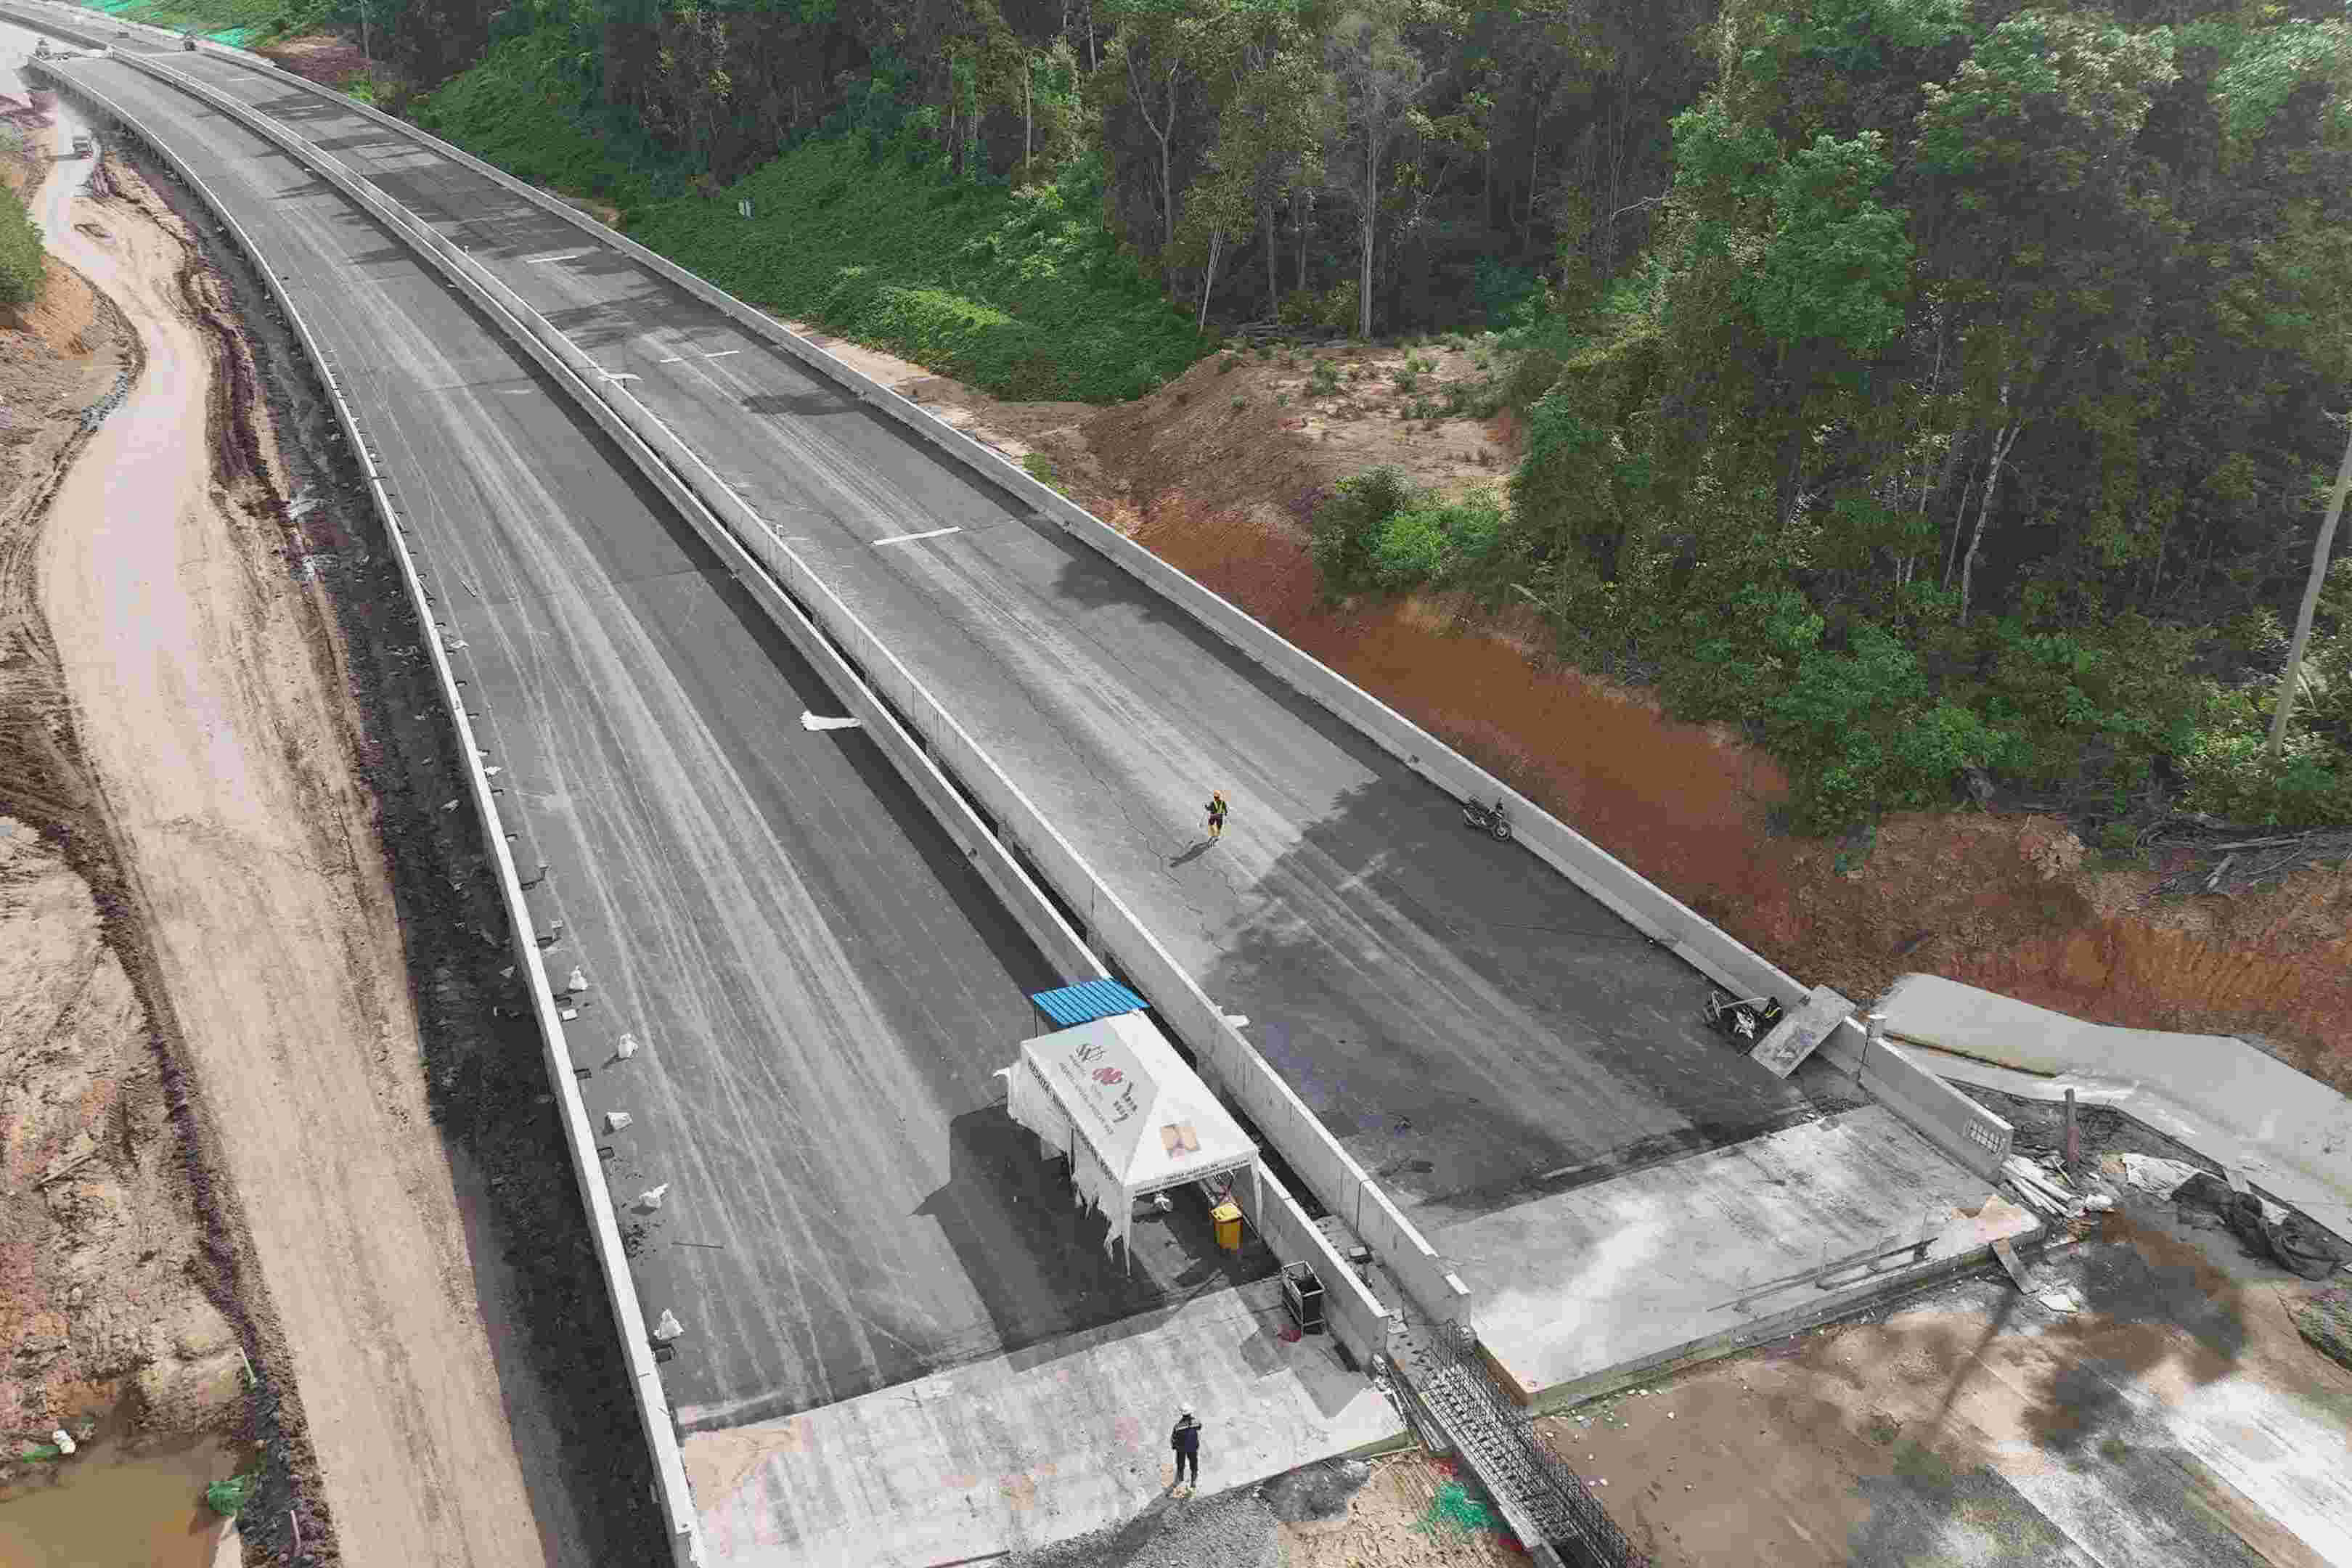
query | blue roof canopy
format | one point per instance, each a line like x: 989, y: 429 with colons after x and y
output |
x: 1084, y: 1003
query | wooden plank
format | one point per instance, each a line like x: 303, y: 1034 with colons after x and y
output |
x: 2008, y: 1255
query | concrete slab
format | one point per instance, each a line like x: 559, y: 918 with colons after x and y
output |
x: 1800, y: 1034
x: 1604, y: 1284
x: 1026, y: 1449
x: 2286, y: 1131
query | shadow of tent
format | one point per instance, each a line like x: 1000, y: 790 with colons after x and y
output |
x: 1036, y: 1259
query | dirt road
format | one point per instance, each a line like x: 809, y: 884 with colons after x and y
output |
x: 211, y: 707
x: 2166, y: 1411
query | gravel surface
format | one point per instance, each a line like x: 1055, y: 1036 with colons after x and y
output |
x: 1315, y: 1492
x: 1230, y: 1530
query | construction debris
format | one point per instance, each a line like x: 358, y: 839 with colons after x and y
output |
x: 2044, y: 1191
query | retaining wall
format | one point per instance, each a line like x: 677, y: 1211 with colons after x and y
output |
x: 580, y: 1140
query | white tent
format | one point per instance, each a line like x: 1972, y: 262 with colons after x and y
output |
x: 1115, y: 1097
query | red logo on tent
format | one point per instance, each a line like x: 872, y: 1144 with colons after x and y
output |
x: 1108, y: 1074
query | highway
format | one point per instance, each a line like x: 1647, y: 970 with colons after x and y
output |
x: 1475, y: 1029
x: 820, y: 986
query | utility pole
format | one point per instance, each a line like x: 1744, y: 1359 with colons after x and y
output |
x: 2320, y: 551
x: 366, y: 52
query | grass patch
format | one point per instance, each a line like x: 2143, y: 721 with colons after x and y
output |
x: 2325, y: 1323
x: 523, y: 108
x: 1021, y: 294
x: 1039, y: 466
x: 20, y: 252
x: 241, y: 24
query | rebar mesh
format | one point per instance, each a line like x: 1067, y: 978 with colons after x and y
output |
x: 1501, y: 1439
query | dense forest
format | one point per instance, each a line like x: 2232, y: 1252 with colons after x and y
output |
x: 1947, y: 391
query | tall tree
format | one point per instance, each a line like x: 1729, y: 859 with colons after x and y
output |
x: 1376, y: 84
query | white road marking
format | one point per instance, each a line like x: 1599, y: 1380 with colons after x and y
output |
x: 910, y: 538
x: 721, y: 353
x: 558, y: 255
x: 672, y: 360
x: 813, y: 722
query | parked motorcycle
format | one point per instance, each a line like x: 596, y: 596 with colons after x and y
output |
x: 1489, y: 820
x: 1743, y: 1021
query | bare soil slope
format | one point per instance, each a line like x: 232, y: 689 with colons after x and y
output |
x: 107, y: 1280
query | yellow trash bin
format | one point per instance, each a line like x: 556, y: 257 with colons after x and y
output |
x: 1227, y: 1218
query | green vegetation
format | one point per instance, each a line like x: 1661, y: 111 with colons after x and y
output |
x: 20, y: 251
x: 1021, y: 293
x: 1377, y: 533
x: 228, y: 1497
x: 2326, y: 1324
x: 527, y: 108
x: 241, y: 23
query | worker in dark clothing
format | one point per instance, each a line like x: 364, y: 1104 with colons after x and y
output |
x: 1186, y: 1440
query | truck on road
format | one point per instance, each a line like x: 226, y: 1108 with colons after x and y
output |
x: 81, y: 146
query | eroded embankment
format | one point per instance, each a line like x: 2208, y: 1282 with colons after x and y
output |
x: 125, y: 1293
x: 270, y: 1065
x: 524, y: 1378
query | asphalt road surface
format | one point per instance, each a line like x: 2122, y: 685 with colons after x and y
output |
x: 822, y: 988
x: 1463, y: 1018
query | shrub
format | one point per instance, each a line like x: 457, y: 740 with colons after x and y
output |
x: 228, y: 1497
x: 20, y: 252
x: 2310, y: 786
x: 1533, y: 373
x: 1378, y: 533
x: 1406, y: 379
x: 1240, y: 400
x: 1323, y: 378
x: 1282, y: 400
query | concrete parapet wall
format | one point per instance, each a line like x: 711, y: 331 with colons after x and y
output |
x: 1957, y: 1126
x: 580, y: 1140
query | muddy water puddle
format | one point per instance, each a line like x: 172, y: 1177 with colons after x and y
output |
x: 106, y: 1508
